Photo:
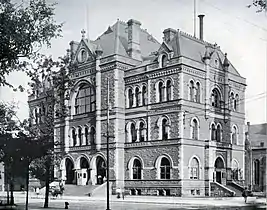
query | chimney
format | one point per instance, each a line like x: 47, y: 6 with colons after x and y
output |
x: 201, y: 26
x: 134, y: 39
x: 169, y: 33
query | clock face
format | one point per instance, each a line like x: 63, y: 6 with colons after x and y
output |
x: 83, y: 55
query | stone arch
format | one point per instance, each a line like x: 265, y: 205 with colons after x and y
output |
x: 220, y: 160
x: 194, y: 132
x: 74, y: 91
x: 69, y: 175
x: 97, y: 170
x: 128, y: 130
x: 157, y: 90
x: 77, y: 162
x: 198, y: 159
x: 130, y: 166
x: 194, y: 172
x: 160, y: 127
x: 158, y: 163
x: 161, y: 57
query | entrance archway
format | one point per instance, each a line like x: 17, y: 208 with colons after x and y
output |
x: 69, y: 171
x: 83, y: 174
x: 100, y: 169
x: 219, y: 167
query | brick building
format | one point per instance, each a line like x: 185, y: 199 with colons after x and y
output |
x: 256, y: 151
x: 176, y: 113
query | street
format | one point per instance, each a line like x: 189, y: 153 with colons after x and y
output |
x: 37, y: 204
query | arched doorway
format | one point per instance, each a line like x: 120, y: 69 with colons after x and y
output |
x: 100, y: 170
x: 69, y: 171
x: 83, y: 174
x: 219, y: 167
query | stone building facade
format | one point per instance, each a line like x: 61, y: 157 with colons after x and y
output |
x: 176, y: 120
x: 256, y: 151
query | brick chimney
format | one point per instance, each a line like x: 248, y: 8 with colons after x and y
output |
x: 134, y: 50
x: 169, y: 33
x: 201, y: 26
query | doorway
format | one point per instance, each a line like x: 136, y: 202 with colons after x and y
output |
x: 69, y: 171
x: 219, y: 168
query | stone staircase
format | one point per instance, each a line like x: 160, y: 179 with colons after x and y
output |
x: 219, y: 190
x: 76, y: 190
x: 236, y: 188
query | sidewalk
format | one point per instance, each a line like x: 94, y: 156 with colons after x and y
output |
x: 182, y: 201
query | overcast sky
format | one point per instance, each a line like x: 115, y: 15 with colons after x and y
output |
x: 238, y: 30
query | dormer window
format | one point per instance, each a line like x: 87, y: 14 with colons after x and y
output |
x: 164, y: 60
x: 82, y: 57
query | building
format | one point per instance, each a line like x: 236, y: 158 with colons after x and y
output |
x: 256, y: 151
x: 176, y: 114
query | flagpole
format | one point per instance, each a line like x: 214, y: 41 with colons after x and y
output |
x: 195, y: 18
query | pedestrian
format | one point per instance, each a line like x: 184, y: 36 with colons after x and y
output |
x: 37, y: 191
x: 245, y: 194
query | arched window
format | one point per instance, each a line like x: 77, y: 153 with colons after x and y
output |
x: 232, y: 98
x: 164, y: 129
x: 130, y: 95
x: 74, y: 137
x: 36, y: 116
x: 194, y: 129
x: 218, y: 133
x: 165, y: 169
x: 144, y: 96
x: 194, y: 169
x: 213, y: 132
x: 85, y: 100
x: 164, y: 60
x: 161, y: 91
x: 40, y: 115
x: 197, y: 93
x: 137, y: 169
x: 236, y: 101
x: 256, y: 172
x: 215, y: 98
x: 234, y: 135
x: 142, y: 131
x: 191, y: 91
x: 168, y: 90
x: 92, y: 135
x: 79, y: 136
x: 235, y: 170
x: 137, y: 96
x: 133, y: 133
x: 86, y: 134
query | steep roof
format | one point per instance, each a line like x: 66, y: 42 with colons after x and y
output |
x: 193, y: 48
x: 110, y: 45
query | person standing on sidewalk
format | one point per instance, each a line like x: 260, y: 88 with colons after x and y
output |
x: 245, y: 194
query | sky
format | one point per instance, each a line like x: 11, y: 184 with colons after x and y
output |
x: 237, y: 29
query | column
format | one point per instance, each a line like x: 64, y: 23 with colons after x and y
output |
x: 98, y: 98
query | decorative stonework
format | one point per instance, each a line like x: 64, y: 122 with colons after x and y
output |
x: 193, y: 71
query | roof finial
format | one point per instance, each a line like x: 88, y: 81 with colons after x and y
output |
x: 226, y: 61
x: 83, y: 32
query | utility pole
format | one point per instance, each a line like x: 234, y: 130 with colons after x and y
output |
x: 108, y: 146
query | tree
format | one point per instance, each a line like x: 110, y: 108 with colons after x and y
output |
x: 24, y: 29
x: 260, y: 4
x: 50, y: 81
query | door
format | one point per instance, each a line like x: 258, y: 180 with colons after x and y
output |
x: 82, y: 176
x: 219, y: 177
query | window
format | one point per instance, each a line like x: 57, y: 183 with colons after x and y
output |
x: 142, y: 132
x: 92, y: 135
x: 137, y: 97
x: 86, y: 133
x: 165, y: 169
x: 164, y: 129
x: 79, y: 136
x: 191, y: 91
x: 130, y: 95
x: 213, y: 132
x: 133, y: 133
x: 168, y: 90
x: 234, y: 135
x: 85, y: 100
x: 164, y: 60
x: 137, y: 169
x: 144, y: 96
x: 232, y: 98
x: 194, y: 129
x: 215, y: 98
x: 197, y: 93
x: 194, y: 169
x: 36, y: 116
x: 218, y: 133
x: 236, y: 101
x: 161, y: 91
x: 256, y: 172
x: 74, y: 137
